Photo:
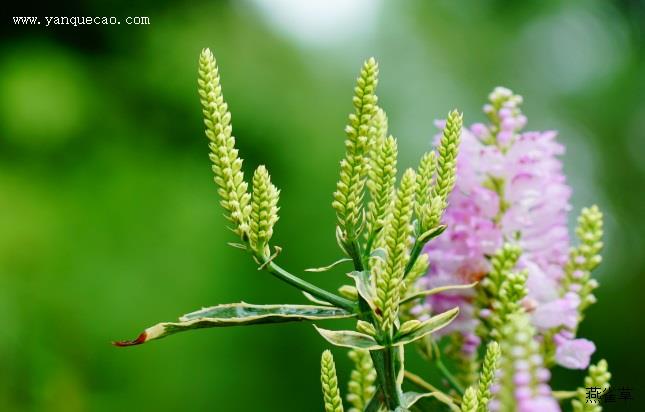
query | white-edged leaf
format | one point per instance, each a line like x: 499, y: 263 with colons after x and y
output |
x: 349, y: 339
x: 434, y: 291
x: 410, y: 398
x: 365, y: 288
x: 329, y: 267
x: 379, y: 253
x: 428, y: 326
x: 238, y: 314
x: 238, y: 245
x: 315, y: 300
x: 432, y: 233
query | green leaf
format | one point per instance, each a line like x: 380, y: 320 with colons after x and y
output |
x: 432, y: 233
x: 238, y: 245
x: 431, y: 325
x: 364, y: 286
x: 238, y: 314
x: 410, y: 398
x: 315, y: 300
x: 326, y: 268
x: 349, y: 339
x: 434, y: 291
x: 379, y: 253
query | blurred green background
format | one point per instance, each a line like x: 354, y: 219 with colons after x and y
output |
x: 109, y: 220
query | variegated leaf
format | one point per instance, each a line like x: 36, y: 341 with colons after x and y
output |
x: 434, y: 291
x: 329, y: 267
x: 410, y: 398
x: 432, y: 233
x: 349, y: 339
x: 364, y: 287
x: 431, y: 325
x: 238, y: 314
x: 315, y: 300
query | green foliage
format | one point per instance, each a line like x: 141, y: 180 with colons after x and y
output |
x: 348, y: 197
x: 329, y: 381
x: 227, y: 166
x: 382, y: 259
x: 598, y: 377
x: 237, y: 314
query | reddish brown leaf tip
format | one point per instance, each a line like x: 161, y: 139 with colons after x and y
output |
x: 138, y: 341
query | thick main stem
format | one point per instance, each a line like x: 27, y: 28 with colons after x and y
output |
x: 384, y: 360
x: 384, y: 363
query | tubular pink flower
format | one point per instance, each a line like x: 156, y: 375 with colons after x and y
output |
x: 574, y: 353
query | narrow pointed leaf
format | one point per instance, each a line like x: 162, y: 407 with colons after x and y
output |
x: 329, y: 267
x: 410, y: 398
x: 315, y: 300
x: 431, y: 325
x: 379, y: 253
x: 238, y: 314
x: 434, y: 291
x: 432, y: 233
x: 349, y: 339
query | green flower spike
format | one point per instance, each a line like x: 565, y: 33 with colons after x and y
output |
x: 361, y: 384
x: 382, y: 177
x: 598, y: 377
x: 264, y: 211
x: 348, y: 198
x: 487, y: 376
x: 512, y: 291
x: 446, y: 168
x: 425, y: 177
x: 469, y: 401
x: 389, y: 276
x: 502, y: 263
x: 227, y: 166
x: 329, y: 381
x: 379, y: 126
x: 586, y: 257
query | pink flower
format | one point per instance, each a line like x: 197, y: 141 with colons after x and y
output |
x: 509, y: 185
x: 574, y: 353
x: 540, y: 404
x: 559, y: 312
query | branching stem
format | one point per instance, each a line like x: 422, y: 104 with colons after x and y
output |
x: 314, y: 290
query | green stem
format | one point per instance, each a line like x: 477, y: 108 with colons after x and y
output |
x: 417, y: 248
x: 374, y: 404
x: 561, y: 395
x: 449, y: 377
x: 314, y: 290
x: 384, y: 363
x: 354, y: 250
x: 420, y: 382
